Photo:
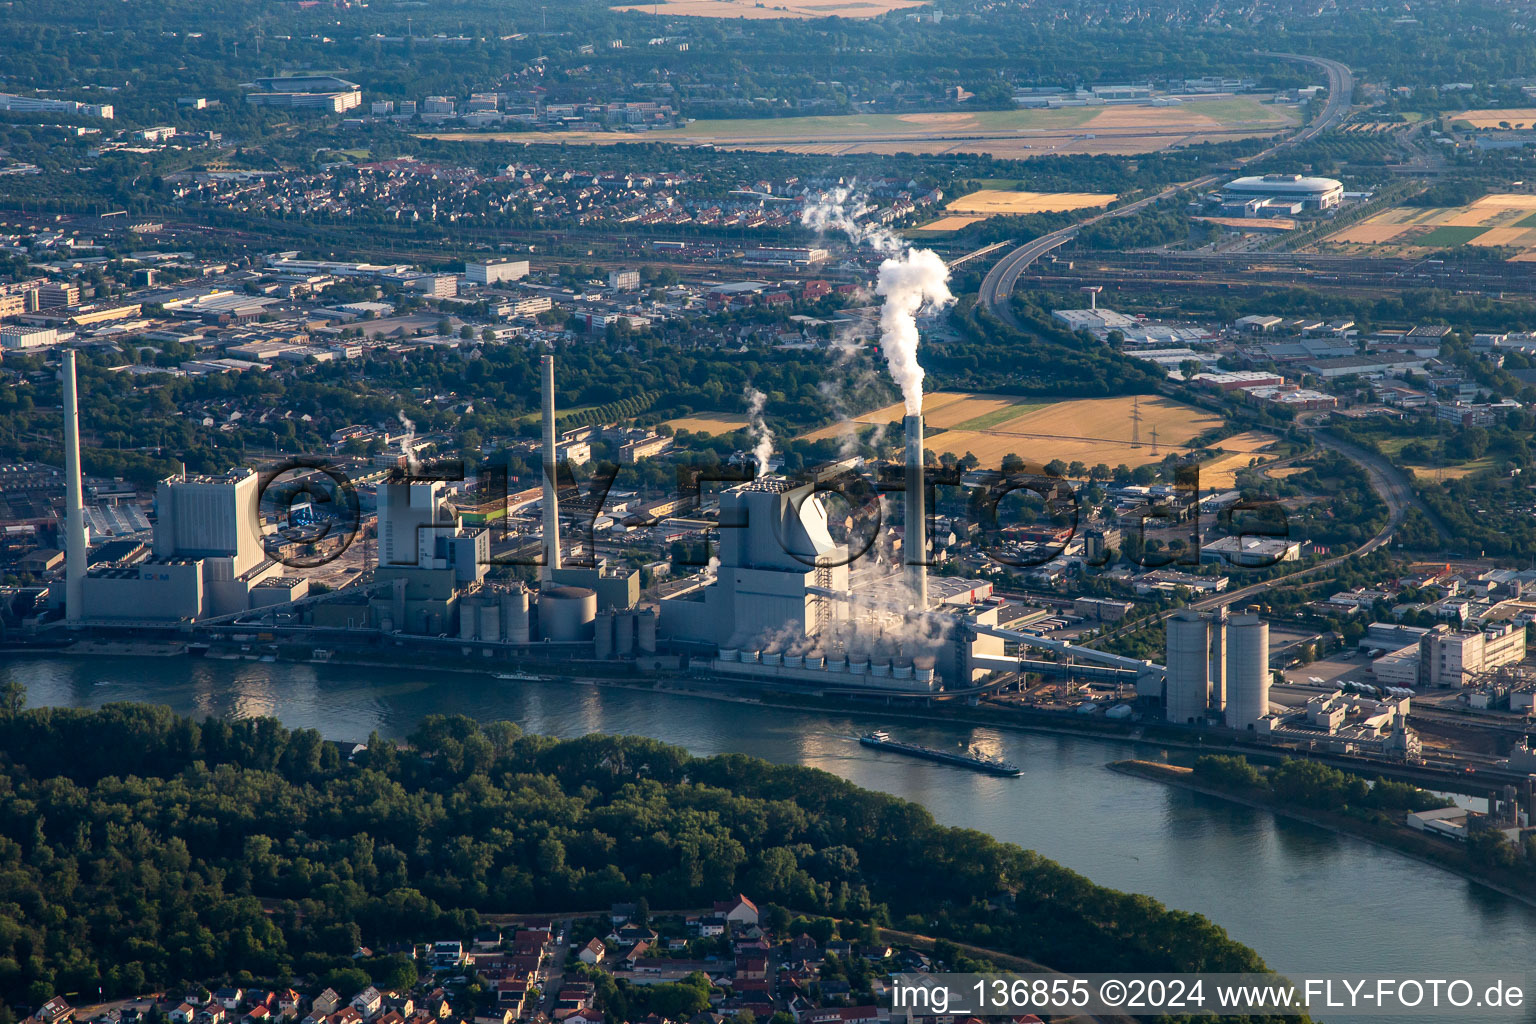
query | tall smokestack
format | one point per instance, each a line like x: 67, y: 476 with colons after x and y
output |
x: 75, y: 553
x: 551, y: 501
x: 916, y: 544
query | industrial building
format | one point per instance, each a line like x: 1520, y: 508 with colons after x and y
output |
x: 1285, y: 189
x: 495, y: 271
x: 1218, y: 666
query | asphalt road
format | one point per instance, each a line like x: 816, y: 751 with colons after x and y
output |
x: 998, y: 286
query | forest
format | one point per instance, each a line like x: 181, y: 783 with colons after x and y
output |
x: 139, y: 848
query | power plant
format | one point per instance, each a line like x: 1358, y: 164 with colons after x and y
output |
x: 782, y: 603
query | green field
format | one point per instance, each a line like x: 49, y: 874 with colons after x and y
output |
x: 986, y: 421
x: 1450, y: 235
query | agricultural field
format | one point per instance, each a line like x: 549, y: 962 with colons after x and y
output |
x: 1513, y: 117
x: 1006, y: 133
x: 759, y: 10
x: 990, y: 202
x: 1089, y: 430
x: 709, y: 423
x: 1505, y: 219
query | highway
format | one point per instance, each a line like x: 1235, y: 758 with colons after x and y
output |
x: 1003, y: 278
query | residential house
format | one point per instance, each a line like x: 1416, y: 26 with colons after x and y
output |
x: 258, y: 1014
x: 621, y: 913
x: 594, y: 952
x: 368, y: 1002
x: 229, y: 998
x: 435, y: 1004
x: 326, y: 1003
x: 709, y: 927
x: 54, y: 1011
x: 740, y: 911
x: 183, y: 1014
x: 803, y: 947
x: 290, y: 1004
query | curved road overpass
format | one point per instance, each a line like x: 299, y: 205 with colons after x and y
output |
x: 1003, y: 278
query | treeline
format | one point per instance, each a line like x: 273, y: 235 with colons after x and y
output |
x: 1306, y: 783
x: 1045, y: 358
x: 1159, y: 224
x: 139, y: 849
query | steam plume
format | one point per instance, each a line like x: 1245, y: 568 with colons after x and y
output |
x: 910, y: 280
x: 410, y: 435
x: 763, y: 449
x: 916, y: 279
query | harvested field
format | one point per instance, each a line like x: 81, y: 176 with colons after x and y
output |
x: 1505, y: 236
x: 1014, y: 133
x: 949, y: 224
x: 1369, y: 233
x: 1515, y: 117
x: 1501, y: 219
x: 751, y: 10
x: 992, y: 202
x: 709, y: 423
x: 1086, y: 430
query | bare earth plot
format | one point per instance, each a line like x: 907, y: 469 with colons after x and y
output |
x: 1501, y: 219
x: 758, y: 11
x: 1014, y: 133
x: 1089, y: 430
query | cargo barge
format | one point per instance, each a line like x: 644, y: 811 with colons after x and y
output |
x: 881, y: 740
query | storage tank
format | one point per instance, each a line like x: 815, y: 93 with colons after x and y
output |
x: 794, y: 661
x: 837, y: 663
x: 624, y: 634
x: 514, y: 616
x: 602, y: 635
x: 469, y: 620
x: 1247, y: 671
x: 647, y: 631
x: 858, y: 666
x: 730, y: 654
x: 1188, y: 683
x: 772, y: 658
x: 490, y: 622
x: 567, y: 614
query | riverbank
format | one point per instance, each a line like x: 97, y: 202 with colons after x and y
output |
x: 875, y: 707
x: 1400, y: 839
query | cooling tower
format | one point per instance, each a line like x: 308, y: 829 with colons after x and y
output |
x: 915, y: 547
x: 551, y: 500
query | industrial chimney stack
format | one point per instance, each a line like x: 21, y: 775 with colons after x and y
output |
x: 75, y: 544
x: 551, y: 501
x: 916, y: 544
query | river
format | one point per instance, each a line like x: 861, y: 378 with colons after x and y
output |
x: 1308, y: 900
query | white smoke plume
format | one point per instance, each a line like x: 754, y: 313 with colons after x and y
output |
x: 762, y: 450
x: 910, y: 280
x: 915, y: 280
x: 409, y: 438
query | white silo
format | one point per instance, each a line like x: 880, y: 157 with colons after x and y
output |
x: 1219, y: 693
x: 1247, y: 671
x: 1189, y: 668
